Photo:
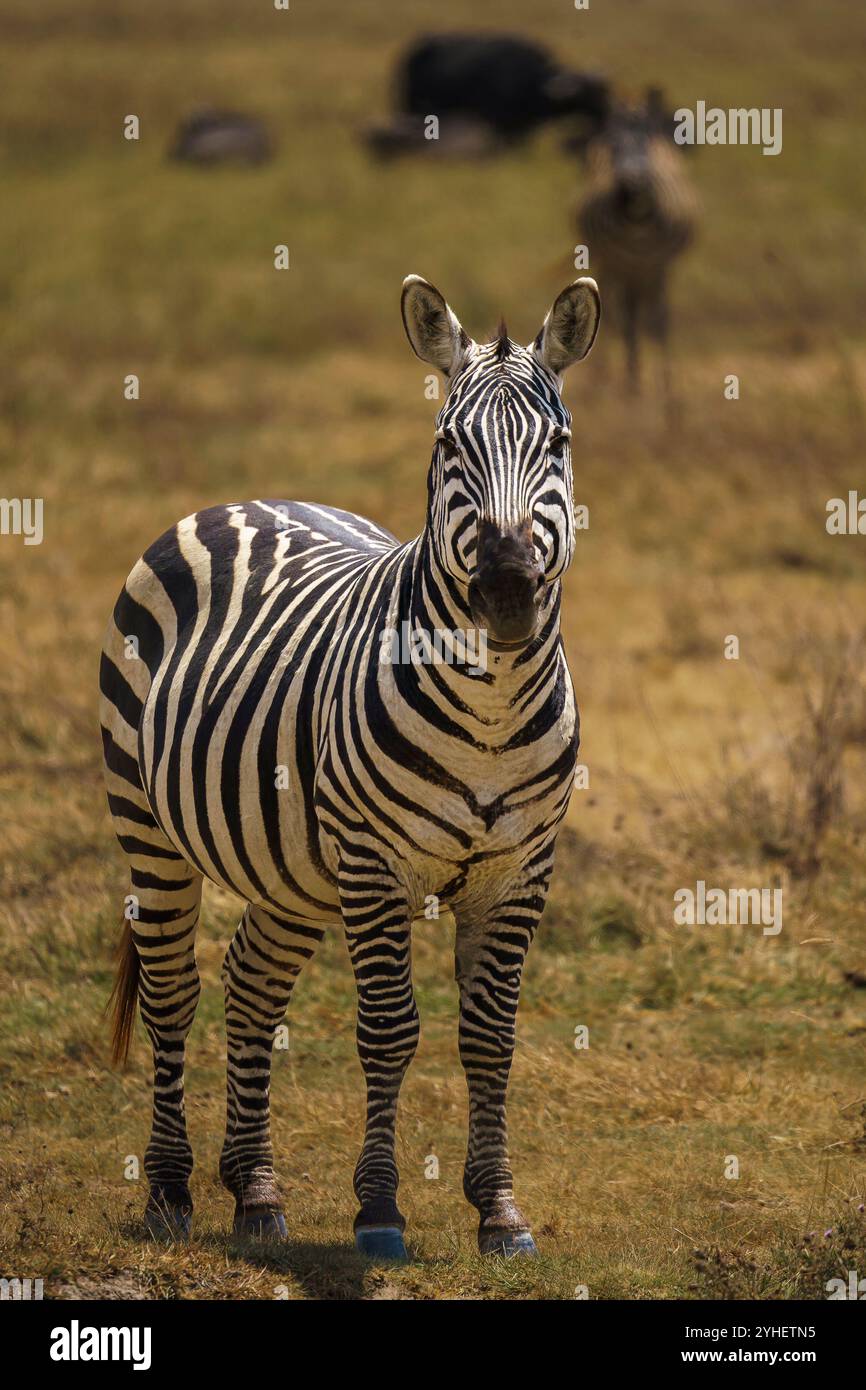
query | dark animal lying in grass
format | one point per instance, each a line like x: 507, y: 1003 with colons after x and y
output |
x: 503, y: 86
x: 219, y: 137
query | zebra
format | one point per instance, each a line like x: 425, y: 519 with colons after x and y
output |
x: 254, y: 735
x: 638, y: 215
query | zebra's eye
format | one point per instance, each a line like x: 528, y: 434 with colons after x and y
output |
x: 558, y: 450
x: 449, y: 448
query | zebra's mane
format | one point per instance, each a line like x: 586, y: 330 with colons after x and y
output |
x: 501, y: 342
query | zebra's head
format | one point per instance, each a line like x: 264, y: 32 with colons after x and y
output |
x: 624, y: 157
x: 500, y: 504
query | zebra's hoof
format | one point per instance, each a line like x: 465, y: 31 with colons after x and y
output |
x: 165, y: 1219
x: 506, y: 1244
x: 260, y: 1223
x: 381, y: 1243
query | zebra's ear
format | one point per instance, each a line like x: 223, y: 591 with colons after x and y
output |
x: 569, y: 330
x: 433, y: 329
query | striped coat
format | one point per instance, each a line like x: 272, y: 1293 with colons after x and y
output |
x: 264, y: 727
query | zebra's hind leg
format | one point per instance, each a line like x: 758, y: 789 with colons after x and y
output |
x: 378, y: 931
x: 159, y: 947
x: 259, y: 973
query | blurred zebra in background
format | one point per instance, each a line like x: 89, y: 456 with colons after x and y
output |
x: 637, y: 215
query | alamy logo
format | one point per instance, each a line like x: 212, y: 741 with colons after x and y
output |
x: 855, y: 1288
x: 77, y: 1343
x: 737, y: 126
x: 20, y: 1290
x: 416, y: 646
x: 712, y: 907
x: 22, y: 516
x: 846, y: 518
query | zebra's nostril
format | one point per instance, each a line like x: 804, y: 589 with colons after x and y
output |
x: 506, y: 590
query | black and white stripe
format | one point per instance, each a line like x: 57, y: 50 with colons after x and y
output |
x: 253, y: 735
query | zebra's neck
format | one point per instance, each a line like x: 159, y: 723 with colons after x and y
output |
x: 499, y: 692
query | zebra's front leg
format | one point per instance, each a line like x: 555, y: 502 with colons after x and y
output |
x: 259, y: 973
x: 378, y: 930
x: 658, y: 326
x: 631, y: 336
x: 490, y: 961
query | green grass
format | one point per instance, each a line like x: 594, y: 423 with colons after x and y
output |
x: 704, y: 1042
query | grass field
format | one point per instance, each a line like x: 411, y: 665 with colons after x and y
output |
x: 705, y: 1042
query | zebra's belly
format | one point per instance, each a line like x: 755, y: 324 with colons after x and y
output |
x: 262, y: 837
x: 237, y: 808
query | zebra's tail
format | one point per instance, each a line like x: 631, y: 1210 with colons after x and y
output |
x: 124, y: 996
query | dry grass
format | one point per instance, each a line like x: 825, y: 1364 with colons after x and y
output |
x: 704, y: 1042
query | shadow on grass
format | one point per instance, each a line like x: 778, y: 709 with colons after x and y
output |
x: 323, y: 1270
x: 327, y: 1270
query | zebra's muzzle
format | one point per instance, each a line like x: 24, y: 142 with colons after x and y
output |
x: 507, y: 588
